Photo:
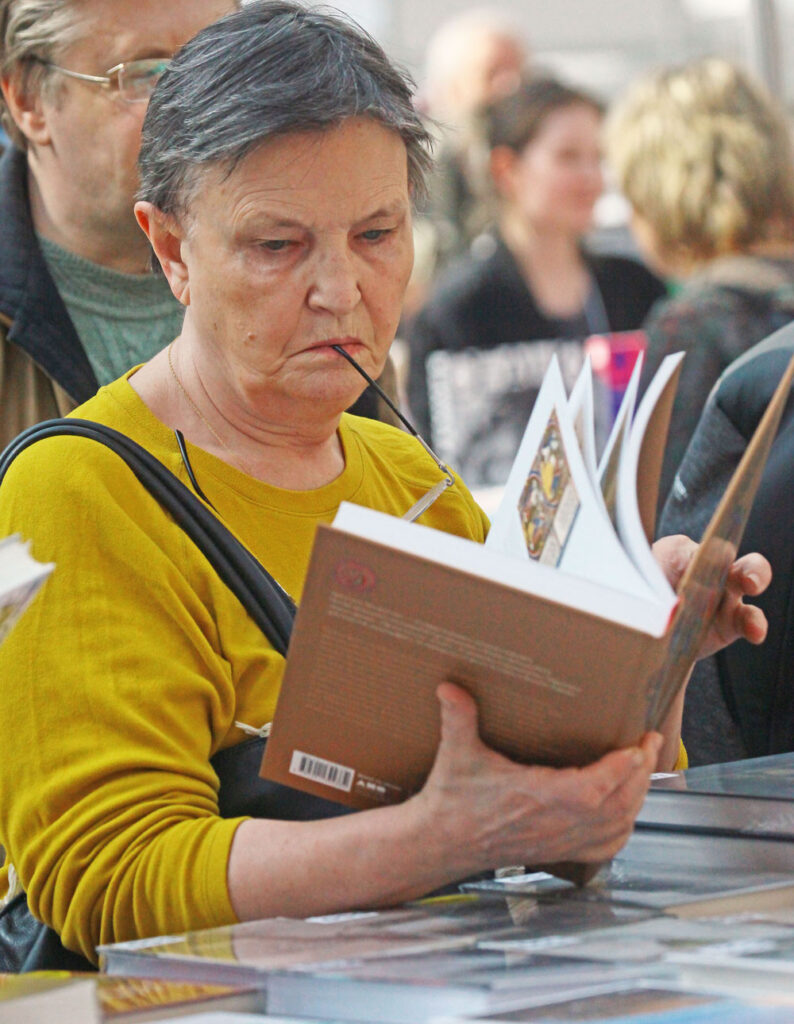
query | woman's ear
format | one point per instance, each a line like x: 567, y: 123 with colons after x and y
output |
x: 502, y: 163
x: 166, y: 238
x: 27, y: 110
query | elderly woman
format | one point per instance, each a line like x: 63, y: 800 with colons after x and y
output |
x: 703, y: 153
x: 279, y: 159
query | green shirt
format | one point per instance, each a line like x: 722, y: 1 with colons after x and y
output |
x: 121, y: 319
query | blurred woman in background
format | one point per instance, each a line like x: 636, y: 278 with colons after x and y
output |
x: 533, y: 279
x: 704, y: 156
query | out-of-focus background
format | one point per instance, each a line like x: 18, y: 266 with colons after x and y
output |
x: 606, y: 43
x: 600, y: 46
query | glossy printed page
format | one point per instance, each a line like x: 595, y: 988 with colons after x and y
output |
x: 550, y: 512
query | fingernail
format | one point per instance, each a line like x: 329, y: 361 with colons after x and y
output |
x: 637, y: 758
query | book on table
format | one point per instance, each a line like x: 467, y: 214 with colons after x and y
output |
x: 763, y: 778
x: 750, y: 798
x: 562, y: 625
x: 400, y: 966
x: 677, y: 888
x: 246, y: 952
x: 766, y: 963
x: 21, y: 576
x: 644, y: 1001
x: 86, y: 998
x: 415, y: 990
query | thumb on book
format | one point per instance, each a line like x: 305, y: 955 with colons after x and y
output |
x: 458, y: 713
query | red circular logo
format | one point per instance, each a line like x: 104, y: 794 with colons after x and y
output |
x: 354, y: 576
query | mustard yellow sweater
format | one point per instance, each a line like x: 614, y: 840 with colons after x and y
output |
x: 129, y: 670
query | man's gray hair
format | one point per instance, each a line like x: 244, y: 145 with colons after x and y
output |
x: 31, y: 33
x: 272, y: 68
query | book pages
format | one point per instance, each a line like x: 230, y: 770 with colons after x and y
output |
x: 638, y: 473
x: 550, y: 511
x: 609, y: 463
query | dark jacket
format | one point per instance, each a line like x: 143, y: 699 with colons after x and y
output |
x: 44, y: 370
x: 482, y: 303
x: 719, y: 314
x: 741, y: 702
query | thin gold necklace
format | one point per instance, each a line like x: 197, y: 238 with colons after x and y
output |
x: 192, y: 404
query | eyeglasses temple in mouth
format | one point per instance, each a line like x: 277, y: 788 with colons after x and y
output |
x: 425, y: 502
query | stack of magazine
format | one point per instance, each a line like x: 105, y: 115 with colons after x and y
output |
x: 657, y: 939
x: 753, y: 798
x: 503, y: 954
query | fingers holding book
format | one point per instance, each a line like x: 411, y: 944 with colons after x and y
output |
x: 747, y: 576
x: 494, y: 811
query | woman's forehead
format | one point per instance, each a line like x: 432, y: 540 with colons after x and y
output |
x: 356, y: 163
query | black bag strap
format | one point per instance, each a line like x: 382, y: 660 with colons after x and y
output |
x: 25, y: 943
x: 268, y: 604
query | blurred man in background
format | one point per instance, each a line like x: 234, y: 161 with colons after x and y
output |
x: 78, y: 303
x: 472, y: 59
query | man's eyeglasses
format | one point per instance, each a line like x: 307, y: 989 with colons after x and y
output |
x: 133, y: 80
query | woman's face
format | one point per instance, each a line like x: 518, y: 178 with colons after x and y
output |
x: 306, y: 244
x: 557, y: 178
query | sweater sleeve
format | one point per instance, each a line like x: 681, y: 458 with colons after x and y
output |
x: 115, y: 694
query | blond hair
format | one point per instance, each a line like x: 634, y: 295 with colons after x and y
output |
x: 703, y: 154
x: 33, y: 32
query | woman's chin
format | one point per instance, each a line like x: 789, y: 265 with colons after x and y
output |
x: 329, y: 400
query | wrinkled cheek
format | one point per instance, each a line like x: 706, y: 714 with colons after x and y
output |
x: 249, y: 340
x: 387, y: 319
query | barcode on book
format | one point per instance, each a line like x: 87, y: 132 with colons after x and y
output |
x: 316, y: 768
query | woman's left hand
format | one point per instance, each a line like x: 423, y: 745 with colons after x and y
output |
x: 748, y: 576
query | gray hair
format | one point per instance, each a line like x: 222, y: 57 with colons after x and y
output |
x: 269, y: 69
x: 31, y: 33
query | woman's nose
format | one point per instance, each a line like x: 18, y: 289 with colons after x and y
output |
x: 335, y: 286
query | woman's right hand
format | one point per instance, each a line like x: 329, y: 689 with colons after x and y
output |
x: 488, y: 811
x: 478, y: 810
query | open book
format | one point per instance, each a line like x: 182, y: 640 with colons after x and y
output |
x: 479, y: 399
x: 562, y: 626
x: 20, y: 578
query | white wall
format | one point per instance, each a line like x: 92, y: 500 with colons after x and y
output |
x: 602, y: 44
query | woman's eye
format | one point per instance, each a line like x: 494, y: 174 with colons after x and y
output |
x: 275, y: 244
x: 375, y: 234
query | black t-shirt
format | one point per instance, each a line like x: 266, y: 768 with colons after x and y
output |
x: 485, y: 302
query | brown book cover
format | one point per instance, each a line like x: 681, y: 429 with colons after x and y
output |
x: 377, y: 631
x: 563, y: 669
